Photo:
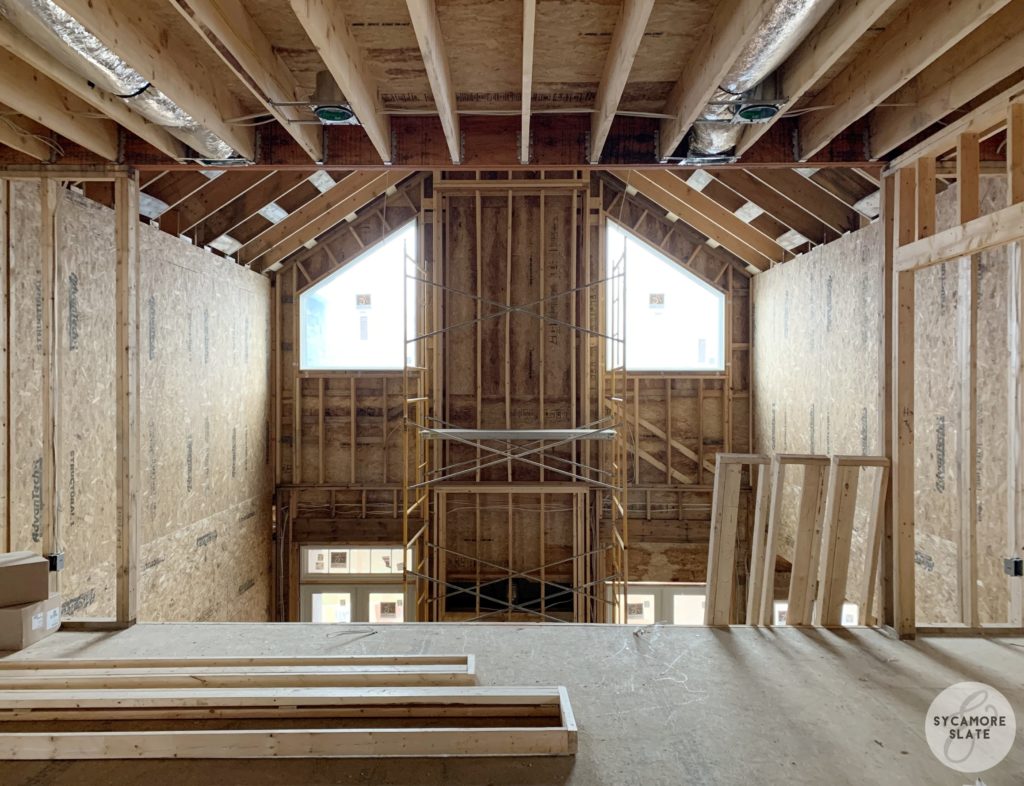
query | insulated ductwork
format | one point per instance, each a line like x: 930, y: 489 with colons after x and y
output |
x: 716, y: 131
x: 61, y: 34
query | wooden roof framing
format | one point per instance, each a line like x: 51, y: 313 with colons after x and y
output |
x: 620, y: 84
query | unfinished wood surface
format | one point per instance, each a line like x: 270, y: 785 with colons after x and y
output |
x: 837, y: 538
x: 256, y: 676
x: 501, y: 735
x: 721, y: 571
x: 817, y: 350
x: 807, y: 545
x: 758, y: 567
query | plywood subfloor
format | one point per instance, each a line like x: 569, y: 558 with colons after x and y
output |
x: 655, y: 706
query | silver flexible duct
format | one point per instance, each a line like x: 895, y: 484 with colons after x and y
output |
x: 787, y: 24
x: 62, y: 35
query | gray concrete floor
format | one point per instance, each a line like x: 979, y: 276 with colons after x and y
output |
x: 654, y: 706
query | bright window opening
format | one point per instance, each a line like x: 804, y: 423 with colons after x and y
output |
x: 674, y: 321
x: 360, y: 317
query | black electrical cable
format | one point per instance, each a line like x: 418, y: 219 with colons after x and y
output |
x: 138, y: 92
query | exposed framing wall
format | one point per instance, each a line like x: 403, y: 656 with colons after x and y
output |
x: 345, y: 486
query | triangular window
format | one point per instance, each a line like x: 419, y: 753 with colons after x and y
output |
x: 359, y: 317
x: 674, y: 321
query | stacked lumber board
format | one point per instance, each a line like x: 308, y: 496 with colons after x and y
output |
x: 314, y: 707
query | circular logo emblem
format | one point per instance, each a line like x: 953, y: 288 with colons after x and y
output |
x: 970, y: 727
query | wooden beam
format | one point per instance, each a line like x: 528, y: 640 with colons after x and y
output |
x: 811, y: 197
x: 223, y: 220
x: 158, y: 54
x: 311, y: 223
x: 911, y: 42
x: 626, y: 40
x: 212, y: 197
x: 231, y: 31
x: 807, y: 543
x: 984, y: 58
x: 778, y: 205
x: 903, y: 469
x: 41, y: 99
x: 731, y: 26
x: 128, y: 445
x: 707, y: 217
x: 175, y: 187
x: 53, y: 68
x: 435, y: 59
x: 721, y: 576
x: 14, y: 133
x: 529, y: 30
x: 836, y: 542
x: 326, y: 27
x: 1015, y: 151
x: 995, y: 229
x: 842, y: 27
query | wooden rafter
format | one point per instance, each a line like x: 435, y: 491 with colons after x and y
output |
x: 781, y: 207
x: 989, y: 54
x: 15, y: 133
x: 911, y: 42
x: 159, y: 55
x: 707, y: 217
x: 317, y: 216
x: 529, y: 30
x: 175, y: 187
x: 843, y: 26
x: 629, y: 32
x: 233, y: 213
x: 230, y: 31
x: 327, y: 28
x: 51, y: 67
x: 811, y: 197
x: 732, y: 25
x: 211, y: 198
x: 435, y: 59
x: 41, y: 99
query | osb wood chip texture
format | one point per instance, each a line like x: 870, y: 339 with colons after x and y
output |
x: 938, y: 407
x: 817, y: 388
x: 205, y: 466
x: 203, y: 471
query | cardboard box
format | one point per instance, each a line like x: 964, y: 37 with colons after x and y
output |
x: 24, y: 578
x: 28, y: 623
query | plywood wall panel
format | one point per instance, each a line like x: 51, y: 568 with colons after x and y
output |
x: 26, y: 367
x: 816, y: 354
x: 205, y: 409
x: 86, y: 415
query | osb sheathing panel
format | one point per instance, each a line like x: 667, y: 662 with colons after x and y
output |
x: 938, y: 432
x: 816, y: 344
x: 87, y: 416
x: 26, y: 369
x: 205, y: 466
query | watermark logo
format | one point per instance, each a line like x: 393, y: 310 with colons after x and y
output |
x: 970, y: 727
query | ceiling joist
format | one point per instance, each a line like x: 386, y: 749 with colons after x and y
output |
x: 114, y: 108
x: 732, y: 25
x: 529, y: 31
x: 990, y: 54
x: 327, y: 28
x: 231, y: 32
x: 629, y: 32
x: 915, y: 39
x: 841, y: 28
x: 161, y: 57
x: 428, y: 34
x: 30, y: 93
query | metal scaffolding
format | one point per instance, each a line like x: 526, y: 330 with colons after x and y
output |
x: 598, y: 559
